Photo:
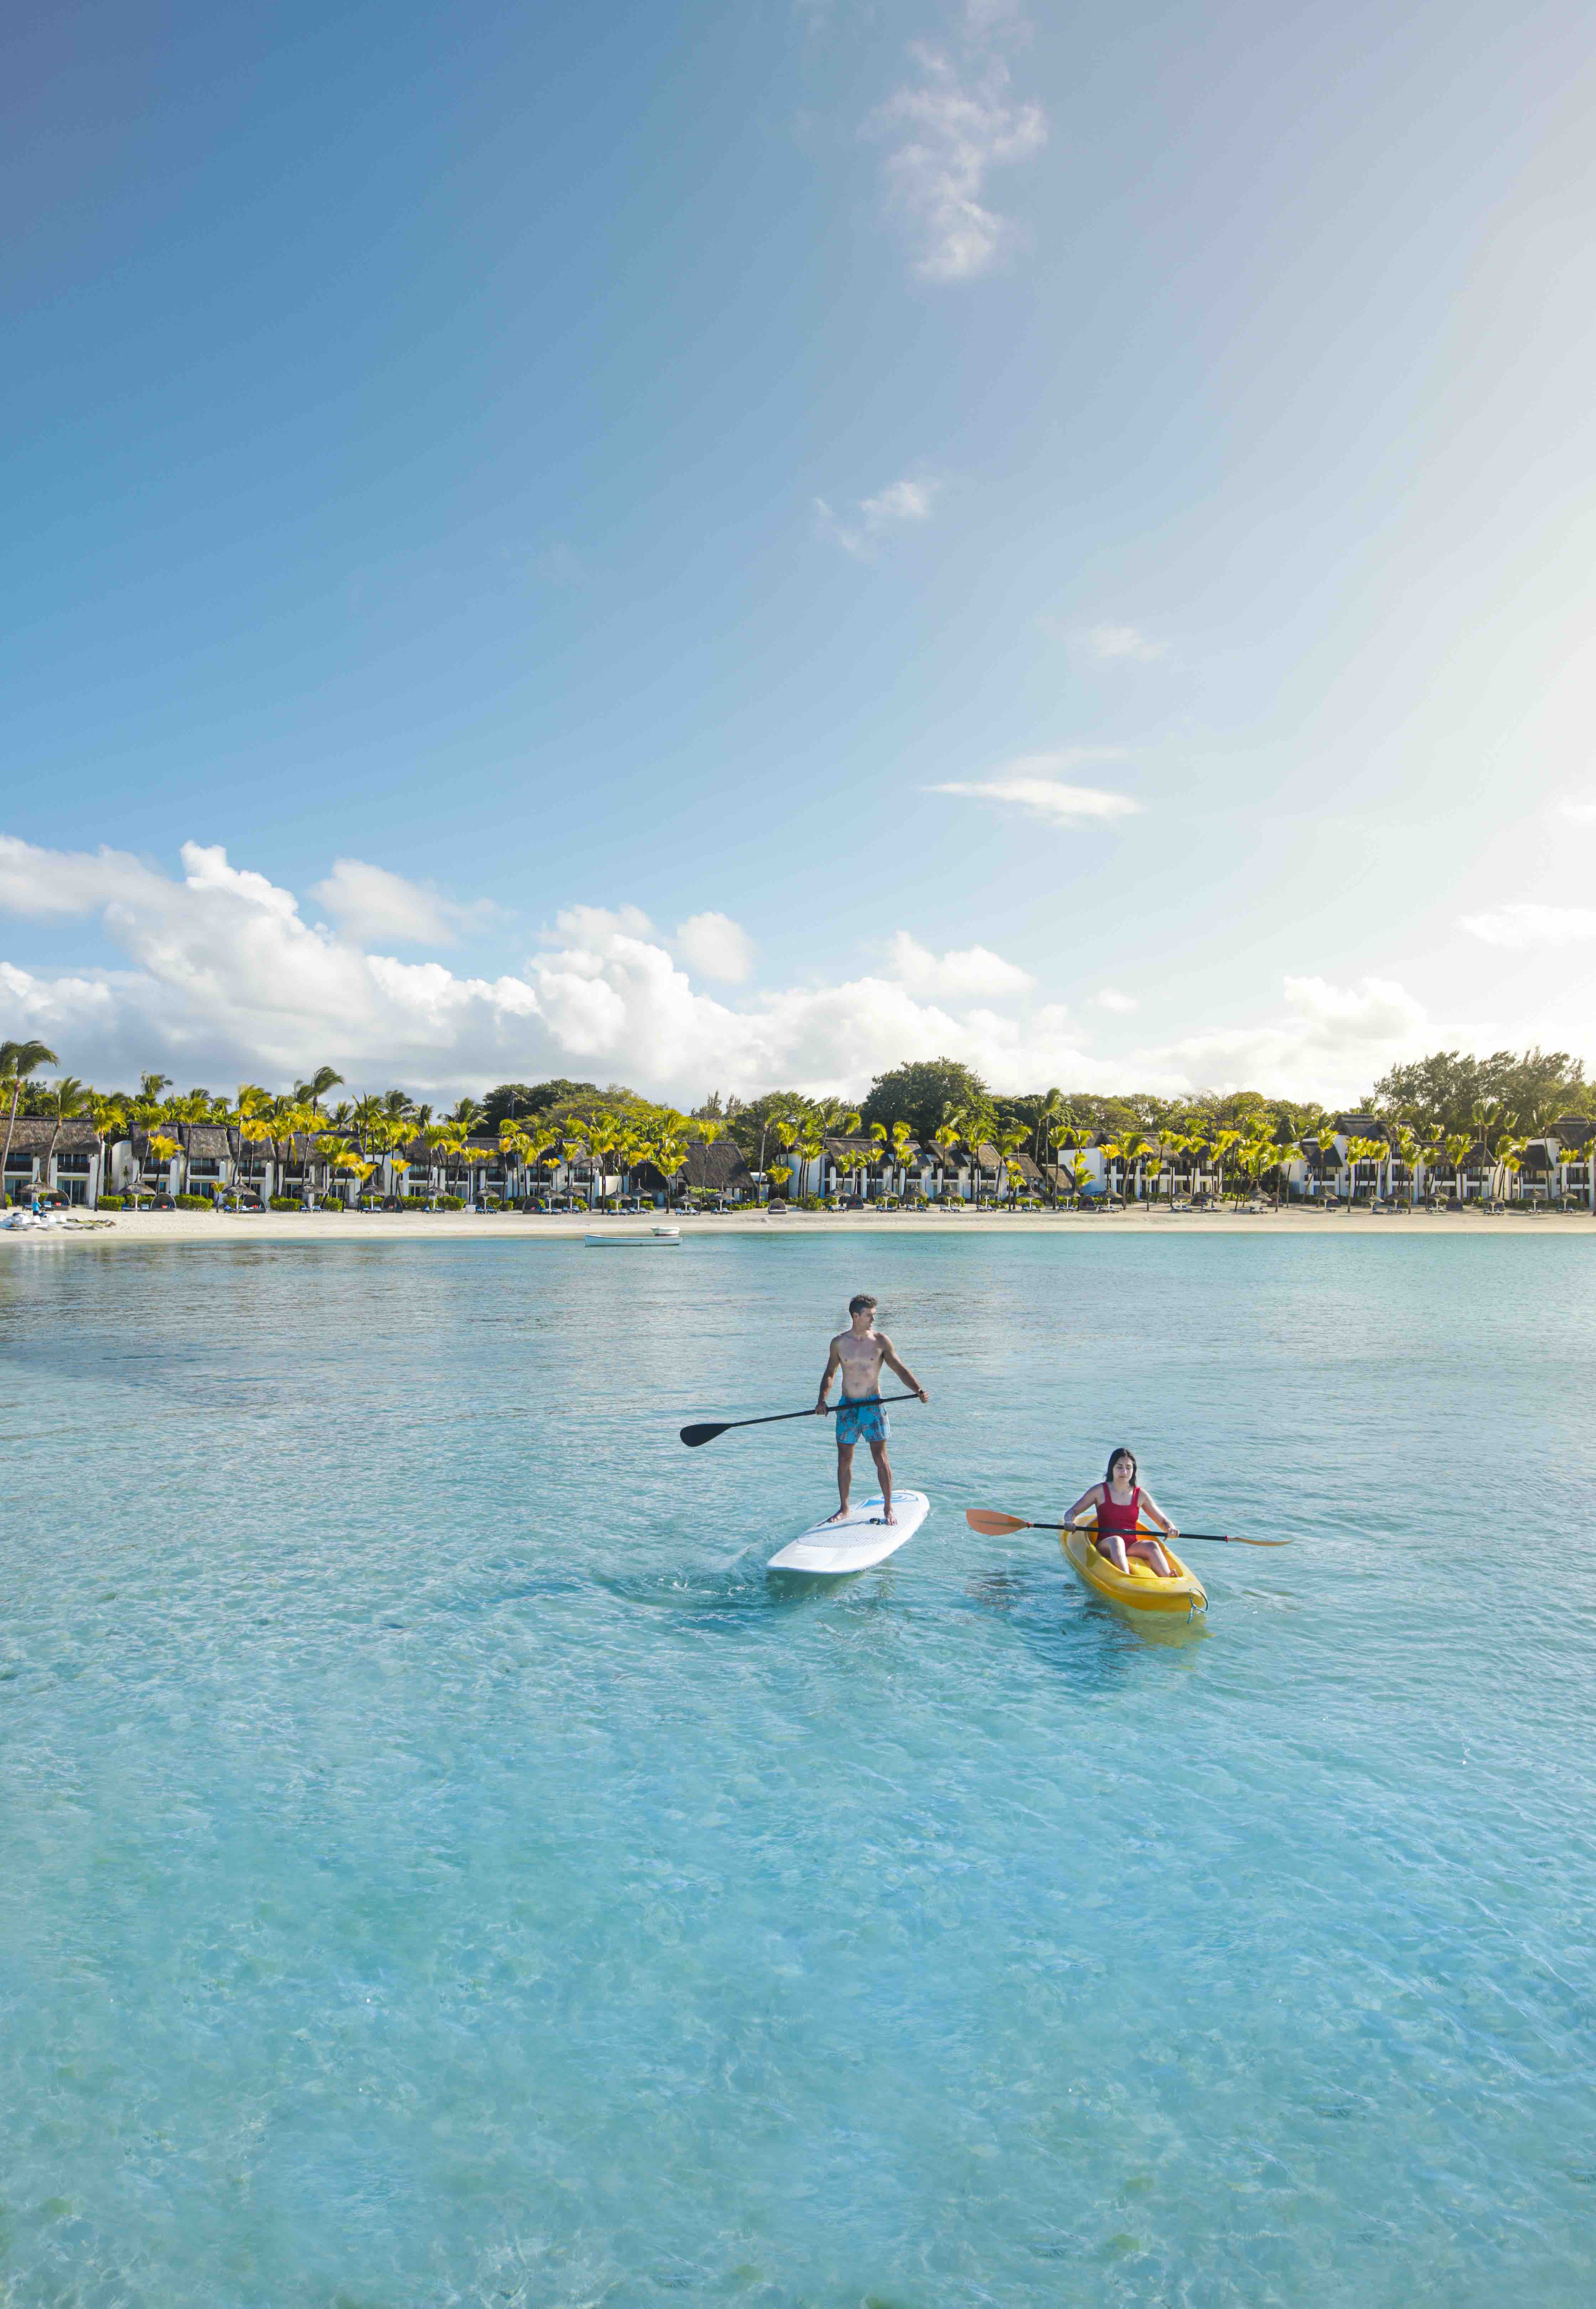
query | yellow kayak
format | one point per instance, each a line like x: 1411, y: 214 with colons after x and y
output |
x: 1142, y: 1590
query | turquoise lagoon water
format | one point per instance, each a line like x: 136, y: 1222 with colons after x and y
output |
x: 437, y: 1866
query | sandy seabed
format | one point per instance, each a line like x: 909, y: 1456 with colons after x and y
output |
x: 453, y: 1226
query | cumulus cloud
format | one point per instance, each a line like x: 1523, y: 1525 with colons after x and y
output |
x: 962, y: 971
x: 369, y: 901
x: 1331, y: 1043
x: 944, y: 131
x: 1125, y: 644
x: 861, y: 534
x: 220, y: 978
x: 1033, y: 782
x: 1520, y: 927
x: 717, y: 947
x: 1111, y: 998
x: 221, y: 972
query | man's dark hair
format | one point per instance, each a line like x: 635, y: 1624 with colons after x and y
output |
x: 860, y: 1299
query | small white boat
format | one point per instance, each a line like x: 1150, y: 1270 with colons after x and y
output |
x: 634, y: 1238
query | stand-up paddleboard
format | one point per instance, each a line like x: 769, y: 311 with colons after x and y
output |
x: 830, y: 1550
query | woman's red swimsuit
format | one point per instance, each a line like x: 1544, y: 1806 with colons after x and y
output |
x: 1113, y: 1514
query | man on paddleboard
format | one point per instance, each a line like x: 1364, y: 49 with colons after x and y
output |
x: 860, y: 1353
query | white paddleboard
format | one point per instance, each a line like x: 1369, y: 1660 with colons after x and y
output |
x: 828, y: 1549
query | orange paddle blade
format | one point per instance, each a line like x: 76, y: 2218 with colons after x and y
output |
x: 992, y: 1526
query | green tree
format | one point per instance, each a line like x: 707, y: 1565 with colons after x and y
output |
x: 312, y: 1093
x: 18, y: 1060
x: 921, y: 1093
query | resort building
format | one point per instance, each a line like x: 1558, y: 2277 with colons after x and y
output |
x: 50, y: 1157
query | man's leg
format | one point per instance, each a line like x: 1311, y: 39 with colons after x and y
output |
x: 844, y: 1476
x: 877, y: 1452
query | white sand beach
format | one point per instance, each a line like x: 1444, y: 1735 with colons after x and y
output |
x: 196, y: 1227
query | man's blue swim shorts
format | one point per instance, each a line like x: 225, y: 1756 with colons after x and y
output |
x: 863, y: 1423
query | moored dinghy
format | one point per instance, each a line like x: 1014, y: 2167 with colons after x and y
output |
x: 635, y: 1239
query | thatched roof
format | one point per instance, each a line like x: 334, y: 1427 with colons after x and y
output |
x: 42, y: 1135
x: 717, y: 1169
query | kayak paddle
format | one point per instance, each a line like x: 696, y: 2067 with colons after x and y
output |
x: 707, y: 1432
x: 992, y: 1526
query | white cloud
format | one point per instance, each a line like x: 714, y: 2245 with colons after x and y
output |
x: 945, y: 132
x: 1333, y: 1041
x: 962, y: 971
x: 1578, y: 813
x: 900, y: 503
x: 717, y: 947
x: 368, y: 902
x: 1032, y: 782
x: 1111, y: 998
x: 220, y: 979
x: 1125, y: 644
x: 1521, y: 927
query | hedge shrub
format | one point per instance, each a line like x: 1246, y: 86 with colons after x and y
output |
x: 287, y: 1203
x: 451, y: 1202
x: 192, y: 1202
x: 111, y: 1203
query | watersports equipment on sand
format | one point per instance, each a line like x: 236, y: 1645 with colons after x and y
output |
x: 830, y: 1550
x: 708, y: 1430
x: 634, y: 1238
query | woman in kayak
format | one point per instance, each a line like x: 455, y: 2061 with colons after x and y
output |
x: 1122, y: 1505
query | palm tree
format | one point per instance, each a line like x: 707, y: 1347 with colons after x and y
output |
x: 670, y: 1152
x: 284, y: 1118
x: 1072, y: 1138
x: 18, y: 1060
x: 517, y: 1148
x: 1053, y: 1110
x: 312, y: 1093
x: 808, y: 1145
x: 443, y: 1139
x: 1219, y: 1146
x: 69, y: 1096
x: 1137, y: 1149
x: 1283, y: 1149
x: 104, y: 1116
x: 1009, y: 1144
x: 1457, y: 1145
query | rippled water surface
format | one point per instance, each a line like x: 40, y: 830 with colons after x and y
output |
x: 435, y: 1863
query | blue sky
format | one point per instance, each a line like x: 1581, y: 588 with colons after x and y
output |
x: 728, y: 544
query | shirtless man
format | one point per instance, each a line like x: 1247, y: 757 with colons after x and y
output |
x: 860, y: 1353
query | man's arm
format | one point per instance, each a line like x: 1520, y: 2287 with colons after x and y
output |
x: 832, y: 1360
x: 902, y: 1370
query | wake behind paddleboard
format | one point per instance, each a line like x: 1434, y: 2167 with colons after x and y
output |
x: 830, y: 1550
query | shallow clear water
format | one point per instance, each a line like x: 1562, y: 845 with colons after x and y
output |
x: 437, y: 1865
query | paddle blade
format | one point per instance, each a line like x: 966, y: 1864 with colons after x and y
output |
x: 993, y: 1526
x: 693, y: 1436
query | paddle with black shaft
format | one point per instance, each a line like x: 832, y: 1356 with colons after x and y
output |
x: 993, y: 1526
x: 709, y: 1429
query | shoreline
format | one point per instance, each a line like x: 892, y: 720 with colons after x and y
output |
x: 202, y: 1227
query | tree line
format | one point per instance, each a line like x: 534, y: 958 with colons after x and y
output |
x: 1428, y: 1105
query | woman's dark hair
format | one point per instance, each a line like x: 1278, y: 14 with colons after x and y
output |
x: 1121, y: 1451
